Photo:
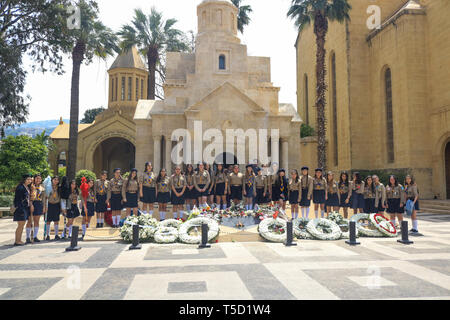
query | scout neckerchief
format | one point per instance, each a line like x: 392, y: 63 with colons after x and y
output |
x: 101, y: 188
x: 178, y: 182
x: 250, y: 181
x: 282, y: 184
x: 54, y: 193
x: 148, y: 179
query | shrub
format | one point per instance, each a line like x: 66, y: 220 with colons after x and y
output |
x: 385, y: 174
x: 6, y: 200
x: 306, y: 131
x: 84, y: 173
x: 62, y: 171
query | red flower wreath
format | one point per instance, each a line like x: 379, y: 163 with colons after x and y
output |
x: 379, y: 215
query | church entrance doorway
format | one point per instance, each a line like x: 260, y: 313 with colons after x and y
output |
x: 114, y: 153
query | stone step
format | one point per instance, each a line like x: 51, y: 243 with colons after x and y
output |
x: 428, y: 210
x: 435, y: 206
x: 445, y: 203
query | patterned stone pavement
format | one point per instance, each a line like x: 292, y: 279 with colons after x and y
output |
x: 377, y: 269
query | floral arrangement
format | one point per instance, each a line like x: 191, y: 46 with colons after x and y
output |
x: 365, y: 227
x: 166, y: 235
x: 148, y: 227
x: 383, y: 225
x: 324, y: 229
x: 190, y: 231
x: 300, y: 229
x: 273, y: 229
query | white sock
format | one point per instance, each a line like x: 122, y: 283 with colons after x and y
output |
x: 84, y: 229
x: 28, y: 232
x: 175, y: 215
x: 70, y: 231
x: 224, y: 207
x: 307, y: 213
x: 415, y: 224
x: 56, y: 229
x: 317, y: 213
x: 250, y: 206
x: 151, y: 212
x: 322, y: 214
x: 48, y: 230
x: 36, y: 231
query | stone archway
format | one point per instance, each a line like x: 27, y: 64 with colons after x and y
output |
x: 114, y: 152
x: 447, y: 168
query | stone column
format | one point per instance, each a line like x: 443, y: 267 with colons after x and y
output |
x: 157, y: 153
x: 285, y: 156
x: 275, y: 151
x: 168, y: 153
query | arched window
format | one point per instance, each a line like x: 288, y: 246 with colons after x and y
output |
x: 219, y: 17
x: 123, y: 89
x: 130, y: 83
x: 306, y: 100
x: 334, y: 106
x: 222, y: 62
x: 389, y: 116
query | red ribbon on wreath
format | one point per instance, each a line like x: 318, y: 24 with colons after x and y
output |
x: 381, y: 226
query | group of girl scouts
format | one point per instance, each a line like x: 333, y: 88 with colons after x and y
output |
x: 202, y: 186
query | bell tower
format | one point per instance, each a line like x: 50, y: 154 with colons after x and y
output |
x: 218, y: 16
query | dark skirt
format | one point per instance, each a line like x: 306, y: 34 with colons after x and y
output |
x: 73, y: 212
x: 22, y: 214
x: 202, y: 194
x: 236, y: 192
x: 416, y: 205
x: 149, y: 194
x: 190, y: 194
x: 249, y: 191
x: 369, y: 206
x: 333, y: 200
x: 132, y: 200
x: 220, y: 189
x: 293, y: 196
x: 90, y: 208
x: 380, y: 206
x: 53, y: 212
x: 319, y: 196
x: 358, y: 200
x: 394, y: 206
x: 260, y: 199
x: 38, y: 208
x: 176, y: 201
x: 342, y: 203
x: 304, y: 202
x: 163, y: 197
x: 101, y: 206
x: 116, y: 202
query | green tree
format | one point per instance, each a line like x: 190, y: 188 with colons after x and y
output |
x: 243, y: 15
x: 84, y: 173
x: 319, y: 12
x: 154, y: 36
x: 32, y: 27
x: 21, y: 155
x: 92, y: 38
x: 89, y: 115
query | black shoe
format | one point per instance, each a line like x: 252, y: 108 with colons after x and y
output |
x: 36, y: 240
x: 47, y: 238
x: 28, y: 241
x: 57, y: 238
x: 18, y: 244
x: 102, y: 225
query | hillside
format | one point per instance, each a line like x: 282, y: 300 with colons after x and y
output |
x: 33, y: 128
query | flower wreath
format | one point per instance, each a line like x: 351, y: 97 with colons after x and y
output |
x: 185, y: 237
x: 172, y: 223
x: 266, y: 229
x: 323, y: 229
x: 383, y: 225
x: 148, y: 227
x: 300, y: 229
x: 366, y: 232
x: 166, y: 235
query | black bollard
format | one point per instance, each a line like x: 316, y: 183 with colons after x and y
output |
x: 74, y: 241
x: 135, y: 245
x: 204, y: 244
x: 290, y: 235
x: 405, y: 236
x: 352, y: 240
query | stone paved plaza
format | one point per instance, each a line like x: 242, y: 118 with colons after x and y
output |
x: 377, y: 269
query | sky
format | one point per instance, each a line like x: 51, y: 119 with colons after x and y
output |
x: 270, y: 34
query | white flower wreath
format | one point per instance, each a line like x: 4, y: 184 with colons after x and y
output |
x: 365, y: 232
x: 147, y: 229
x: 383, y: 225
x: 166, y: 235
x: 185, y: 237
x: 300, y: 229
x: 323, y: 229
x: 172, y: 223
x: 268, y: 234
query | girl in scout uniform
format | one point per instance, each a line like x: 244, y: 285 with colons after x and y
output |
x: 319, y: 193
x: 281, y: 189
x: 178, y: 184
x: 249, y: 189
x: 261, y: 187
x: 220, y: 187
x: 114, y: 198
x: 147, y: 189
x: 36, y: 209
x: 370, y: 196
x: 190, y: 194
x: 344, y: 193
x: 357, y: 187
x: 72, y: 210
x: 130, y: 193
x: 88, y: 207
x: 394, y: 200
x: 295, y: 186
x: 236, y: 185
x: 52, y: 206
x: 202, y: 180
x: 22, y: 204
x: 210, y: 199
x: 380, y: 191
x: 412, y: 193
x: 162, y: 193
x: 333, y: 196
x: 307, y: 183
x: 100, y: 191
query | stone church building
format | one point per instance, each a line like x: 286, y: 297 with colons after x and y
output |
x: 218, y: 84
x: 388, y: 99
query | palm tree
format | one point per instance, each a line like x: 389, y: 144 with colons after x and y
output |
x: 153, y: 36
x: 319, y: 12
x: 91, y: 39
x: 243, y: 15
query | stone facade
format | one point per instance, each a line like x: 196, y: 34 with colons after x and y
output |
x: 413, y: 46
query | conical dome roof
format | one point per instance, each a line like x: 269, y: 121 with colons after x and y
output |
x: 129, y: 59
